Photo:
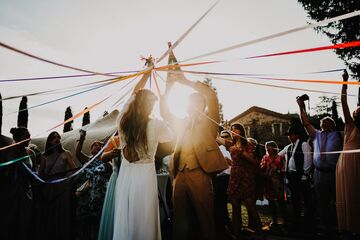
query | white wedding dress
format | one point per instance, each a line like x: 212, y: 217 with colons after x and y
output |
x: 136, y: 194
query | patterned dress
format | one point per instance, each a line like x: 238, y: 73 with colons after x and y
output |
x: 274, y: 182
x: 242, y: 184
x: 91, y: 201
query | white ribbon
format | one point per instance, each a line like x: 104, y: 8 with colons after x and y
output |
x: 185, y: 34
x: 272, y: 36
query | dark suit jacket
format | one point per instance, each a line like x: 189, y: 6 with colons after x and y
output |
x: 204, y: 133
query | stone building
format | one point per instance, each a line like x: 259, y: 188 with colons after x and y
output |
x: 265, y: 125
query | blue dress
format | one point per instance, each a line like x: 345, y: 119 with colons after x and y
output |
x: 107, y: 217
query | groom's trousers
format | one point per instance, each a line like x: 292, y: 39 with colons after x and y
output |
x: 193, y: 202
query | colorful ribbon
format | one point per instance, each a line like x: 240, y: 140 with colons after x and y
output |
x: 60, y: 77
x: 330, y: 47
x: 309, y: 81
x: 14, y: 161
x: 279, y: 86
x: 106, y: 82
x: 73, y: 118
x: 49, y: 61
x: 182, y: 37
x: 157, y: 84
x: 72, y: 175
x: 54, y: 91
x: 58, y: 125
x: 276, y: 35
x: 251, y: 74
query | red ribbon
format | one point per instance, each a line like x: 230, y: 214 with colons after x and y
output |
x: 335, y: 46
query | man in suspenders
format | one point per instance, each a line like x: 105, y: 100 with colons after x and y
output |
x: 298, y: 163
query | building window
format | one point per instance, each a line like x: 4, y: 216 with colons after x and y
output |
x: 276, y: 129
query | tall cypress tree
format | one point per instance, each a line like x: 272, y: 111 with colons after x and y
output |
x: 68, y: 114
x: 23, y: 114
x: 86, y: 118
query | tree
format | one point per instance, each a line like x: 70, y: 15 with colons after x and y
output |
x: 324, y: 107
x: 1, y: 113
x: 23, y: 114
x: 86, y: 118
x: 341, y: 31
x: 68, y: 114
x: 208, y: 81
x: 327, y: 107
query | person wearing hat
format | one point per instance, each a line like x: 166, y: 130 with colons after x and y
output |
x: 298, y: 161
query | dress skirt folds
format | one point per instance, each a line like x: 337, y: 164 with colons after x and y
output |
x: 107, y: 217
x: 137, y: 206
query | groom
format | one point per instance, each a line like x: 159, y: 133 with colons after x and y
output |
x: 196, y: 157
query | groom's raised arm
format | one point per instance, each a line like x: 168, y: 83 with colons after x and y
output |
x: 164, y: 108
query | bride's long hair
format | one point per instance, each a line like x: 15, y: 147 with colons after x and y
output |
x: 134, y: 122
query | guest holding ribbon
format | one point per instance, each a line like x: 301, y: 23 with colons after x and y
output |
x: 348, y: 171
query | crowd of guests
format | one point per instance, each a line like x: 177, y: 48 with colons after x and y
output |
x: 116, y: 196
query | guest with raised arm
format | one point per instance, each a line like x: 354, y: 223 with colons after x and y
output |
x: 91, y: 193
x: 325, y: 140
x: 348, y: 171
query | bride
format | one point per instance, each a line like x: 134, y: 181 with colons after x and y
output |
x: 136, y: 194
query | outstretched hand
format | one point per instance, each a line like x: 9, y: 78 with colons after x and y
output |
x: 149, y: 62
x: 300, y: 103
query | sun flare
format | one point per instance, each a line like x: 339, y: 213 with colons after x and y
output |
x: 178, y: 100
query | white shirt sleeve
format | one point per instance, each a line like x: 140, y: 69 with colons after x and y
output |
x: 283, y: 152
x: 225, y: 152
x: 307, y: 157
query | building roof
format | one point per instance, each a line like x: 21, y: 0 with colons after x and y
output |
x: 264, y: 111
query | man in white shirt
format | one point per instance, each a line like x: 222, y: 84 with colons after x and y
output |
x: 221, y: 182
x: 298, y: 163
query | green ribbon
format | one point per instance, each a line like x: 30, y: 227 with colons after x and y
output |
x: 14, y: 161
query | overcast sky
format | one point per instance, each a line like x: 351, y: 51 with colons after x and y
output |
x: 110, y: 36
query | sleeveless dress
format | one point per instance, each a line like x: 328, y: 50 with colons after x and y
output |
x: 347, y: 182
x: 136, y: 193
x: 54, y: 207
x: 106, y: 228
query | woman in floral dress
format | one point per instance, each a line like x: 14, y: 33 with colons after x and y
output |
x: 272, y: 168
x: 242, y: 186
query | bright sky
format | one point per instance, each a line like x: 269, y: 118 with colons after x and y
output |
x: 107, y: 36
